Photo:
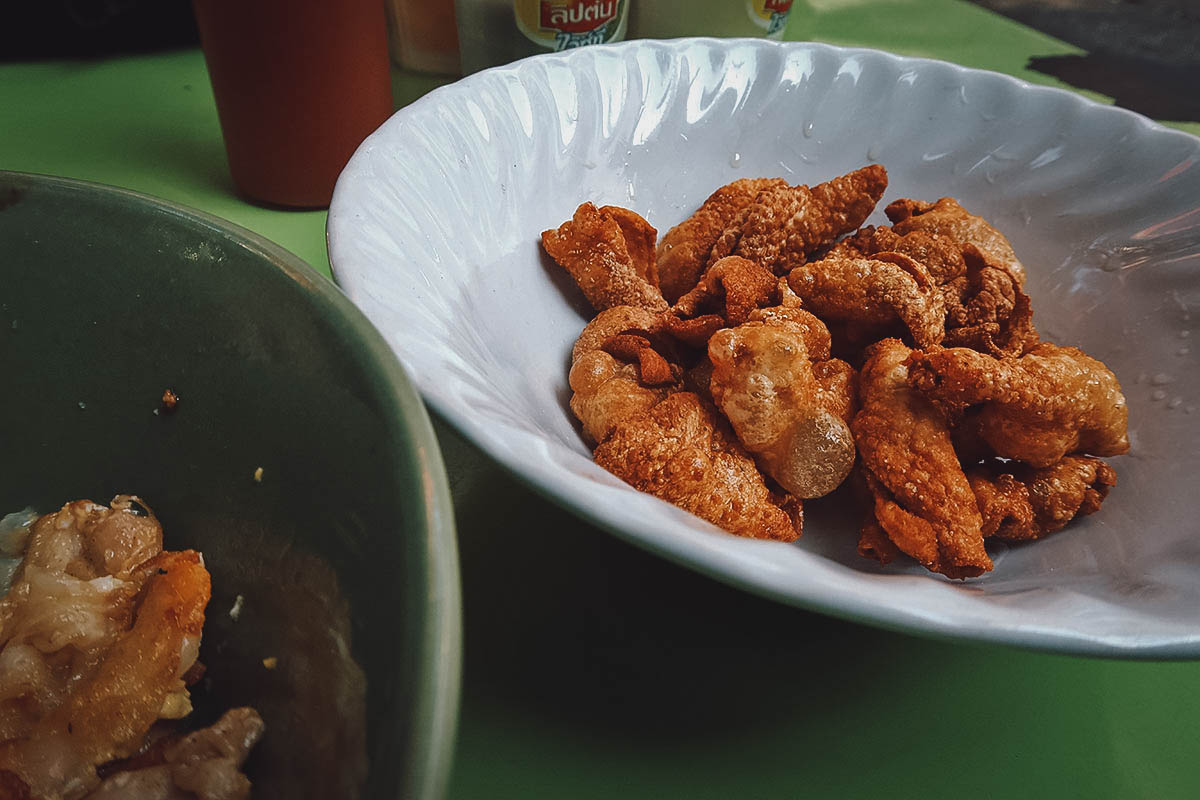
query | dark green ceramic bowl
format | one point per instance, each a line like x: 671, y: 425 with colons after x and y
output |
x: 344, y: 553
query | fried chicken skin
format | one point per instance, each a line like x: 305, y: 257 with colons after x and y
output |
x: 784, y: 225
x: 607, y: 251
x: 608, y: 382
x: 869, y: 295
x: 922, y: 499
x: 947, y: 218
x: 1021, y: 503
x: 1050, y: 402
x: 683, y: 253
x: 764, y: 381
x: 683, y: 451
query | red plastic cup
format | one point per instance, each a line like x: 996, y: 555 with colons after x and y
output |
x: 299, y: 84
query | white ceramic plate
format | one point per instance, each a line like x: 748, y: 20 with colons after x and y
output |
x: 434, y: 229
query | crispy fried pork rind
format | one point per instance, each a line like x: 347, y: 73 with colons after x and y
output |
x: 726, y: 295
x: 982, y: 298
x: 873, y: 542
x: 1021, y: 503
x: 683, y: 451
x: 947, y: 218
x: 990, y: 312
x: 607, y: 369
x: 611, y: 269
x: 922, y: 500
x: 762, y: 291
x: 940, y: 254
x: 764, y: 381
x: 731, y: 288
x: 683, y: 253
x: 784, y: 225
x: 869, y: 295
x: 1050, y: 402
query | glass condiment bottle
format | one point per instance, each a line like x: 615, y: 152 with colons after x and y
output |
x: 423, y: 35
x: 667, y: 19
x: 492, y: 32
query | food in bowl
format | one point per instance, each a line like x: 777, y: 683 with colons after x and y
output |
x: 99, y: 638
x: 769, y: 348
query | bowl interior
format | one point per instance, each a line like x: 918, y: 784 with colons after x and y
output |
x: 343, y: 553
x: 434, y: 233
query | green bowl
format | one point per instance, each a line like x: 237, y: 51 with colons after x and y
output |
x: 343, y: 553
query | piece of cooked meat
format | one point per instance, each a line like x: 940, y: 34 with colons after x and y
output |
x: 610, y: 269
x: 921, y: 496
x: 683, y: 252
x: 206, y: 764
x: 869, y: 295
x: 784, y: 225
x: 948, y: 218
x: 765, y: 381
x: 1019, y: 503
x: 98, y: 632
x: 683, y: 451
x: 1050, y: 402
x: 606, y: 387
x: 107, y: 712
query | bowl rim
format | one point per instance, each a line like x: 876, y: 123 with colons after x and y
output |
x: 339, y: 224
x: 438, y: 674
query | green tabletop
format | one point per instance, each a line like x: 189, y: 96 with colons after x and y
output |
x: 594, y: 670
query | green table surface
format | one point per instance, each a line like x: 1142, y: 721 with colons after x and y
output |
x: 595, y: 670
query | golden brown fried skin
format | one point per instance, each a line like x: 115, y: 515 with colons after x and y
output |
x: 1050, y: 402
x: 870, y: 295
x: 922, y: 499
x: 989, y: 311
x: 593, y: 248
x: 986, y: 308
x: 764, y: 381
x: 791, y: 311
x: 784, y: 225
x: 837, y: 380
x: 947, y: 218
x: 873, y: 542
x: 839, y: 387
x: 1021, y: 503
x: 612, y: 321
x: 640, y: 237
x: 608, y: 389
x: 938, y: 253
x: 107, y: 716
x: 683, y: 451
x: 653, y: 369
x: 732, y: 288
x: 683, y: 252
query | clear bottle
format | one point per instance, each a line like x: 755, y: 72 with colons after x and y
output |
x: 492, y: 32
x: 667, y: 19
x: 423, y: 36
